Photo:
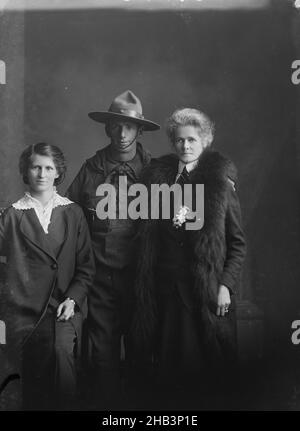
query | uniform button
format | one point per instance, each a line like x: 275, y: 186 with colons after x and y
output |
x: 181, y: 244
x: 54, y: 266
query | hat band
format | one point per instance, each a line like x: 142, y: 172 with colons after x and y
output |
x: 129, y: 113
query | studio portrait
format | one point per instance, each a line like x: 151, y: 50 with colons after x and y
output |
x: 149, y: 205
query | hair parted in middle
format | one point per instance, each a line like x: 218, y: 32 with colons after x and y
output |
x: 190, y: 117
x: 47, y: 150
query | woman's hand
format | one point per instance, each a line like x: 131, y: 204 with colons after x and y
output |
x: 65, y: 310
x: 223, y: 300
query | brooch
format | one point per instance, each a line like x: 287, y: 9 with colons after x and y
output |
x: 181, y: 217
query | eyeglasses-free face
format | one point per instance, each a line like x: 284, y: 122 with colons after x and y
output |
x: 123, y: 135
x: 42, y: 173
x: 188, y: 143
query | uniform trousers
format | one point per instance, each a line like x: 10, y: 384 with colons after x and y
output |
x: 110, y: 308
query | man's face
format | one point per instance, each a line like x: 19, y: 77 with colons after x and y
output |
x: 123, y: 135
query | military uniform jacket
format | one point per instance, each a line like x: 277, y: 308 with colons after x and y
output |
x: 112, y: 239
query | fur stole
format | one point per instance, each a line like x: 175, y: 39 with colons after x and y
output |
x: 209, y: 244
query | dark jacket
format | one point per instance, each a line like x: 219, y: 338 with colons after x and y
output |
x: 33, y: 271
x: 218, y: 249
x: 112, y: 239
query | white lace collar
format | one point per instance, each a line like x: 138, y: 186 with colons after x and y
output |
x: 43, y: 212
x: 27, y: 202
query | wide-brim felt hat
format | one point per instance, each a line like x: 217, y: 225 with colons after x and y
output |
x: 126, y: 107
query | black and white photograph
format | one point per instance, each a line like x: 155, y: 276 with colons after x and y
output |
x: 149, y: 207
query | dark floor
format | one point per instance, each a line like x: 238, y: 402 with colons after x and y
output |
x: 260, y: 387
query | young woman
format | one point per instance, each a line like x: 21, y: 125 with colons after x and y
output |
x: 45, y: 240
x: 186, y: 279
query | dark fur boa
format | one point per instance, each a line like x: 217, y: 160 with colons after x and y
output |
x: 213, y: 170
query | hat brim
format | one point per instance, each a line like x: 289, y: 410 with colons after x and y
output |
x: 103, y: 117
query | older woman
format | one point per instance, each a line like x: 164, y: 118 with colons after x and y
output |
x: 186, y: 279
x: 45, y: 241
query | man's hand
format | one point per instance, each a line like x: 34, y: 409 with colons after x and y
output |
x: 65, y: 310
x: 223, y: 300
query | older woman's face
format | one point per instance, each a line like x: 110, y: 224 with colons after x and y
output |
x: 42, y: 173
x: 188, y: 143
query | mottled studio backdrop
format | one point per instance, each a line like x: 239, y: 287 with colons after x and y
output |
x: 235, y: 65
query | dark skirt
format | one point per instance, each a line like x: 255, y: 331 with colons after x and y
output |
x: 186, y: 373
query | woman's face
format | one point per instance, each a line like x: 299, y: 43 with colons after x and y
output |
x: 41, y: 173
x: 188, y: 143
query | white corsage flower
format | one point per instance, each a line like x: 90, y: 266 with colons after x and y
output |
x: 181, y: 216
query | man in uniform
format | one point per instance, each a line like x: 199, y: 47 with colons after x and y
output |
x: 110, y: 303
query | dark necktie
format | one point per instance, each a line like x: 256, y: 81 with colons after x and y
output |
x: 183, y: 177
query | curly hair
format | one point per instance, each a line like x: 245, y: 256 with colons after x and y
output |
x: 47, y: 150
x: 190, y: 117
